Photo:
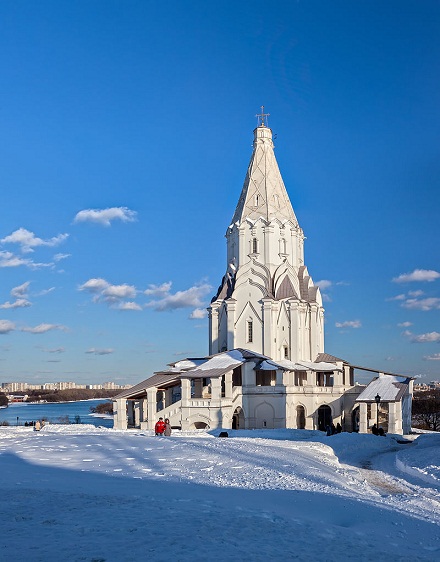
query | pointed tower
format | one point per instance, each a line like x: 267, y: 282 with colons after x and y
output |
x: 267, y: 301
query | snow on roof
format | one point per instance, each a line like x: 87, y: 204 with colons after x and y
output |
x: 287, y: 365
x: 390, y: 388
x: 218, y: 365
x: 189, y: 363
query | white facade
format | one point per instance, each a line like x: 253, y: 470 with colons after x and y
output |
x: 267, y: 301
x: 267, y: 367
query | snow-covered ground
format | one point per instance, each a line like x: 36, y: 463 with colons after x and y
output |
x: 73, y: 493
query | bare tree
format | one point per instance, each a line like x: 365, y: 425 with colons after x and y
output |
x: 426, y: 410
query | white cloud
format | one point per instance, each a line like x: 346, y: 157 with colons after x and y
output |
x: 158, y: 290
x: 18, y: 303
x: 128, y: 306
x: 192, y: 297
x: 323, y: 284
x: 400, y: 297
x: 21, y: 290
x: 415, y: 293
x: 405, y: 324
x: 28, y: 241
x: 417, y: 275
x: 6, y: 326
x: 198, y: 314
x: 43, y: 328
x: 105, y: 216
x: 113, y: 293
x: 349, y: 324
x: 94, y: 285
x: 59, y: 257
x: 431, y: 303
x: 95, y: 351
x: 45, y: 291
x: 8, y: 259
x: 435, y: 357
x: 430, y: 337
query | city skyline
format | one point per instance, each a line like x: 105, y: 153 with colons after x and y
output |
x: 125, y: 136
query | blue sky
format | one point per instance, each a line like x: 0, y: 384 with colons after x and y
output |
x: 125, y: 134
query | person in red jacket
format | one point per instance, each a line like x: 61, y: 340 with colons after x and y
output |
x: 159, y: 428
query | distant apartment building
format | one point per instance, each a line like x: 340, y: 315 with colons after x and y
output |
x: 14, y: 386
x: 11, y: 387
x: 109, y: 385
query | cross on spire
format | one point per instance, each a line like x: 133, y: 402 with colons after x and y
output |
x: 262, y: 118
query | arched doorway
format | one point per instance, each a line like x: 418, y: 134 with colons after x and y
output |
x: 238, y: 419
x: 300, y: 417
x: 324, y: 417
x: 355, y: 417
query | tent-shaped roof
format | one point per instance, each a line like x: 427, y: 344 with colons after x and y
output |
x: 264, y: 193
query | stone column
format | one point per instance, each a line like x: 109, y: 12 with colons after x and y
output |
x: 311, y: 378
x: 314, y: 331
x: 242, y: 250
x: 230, y: 308
x: 293, y: 336
x: 279, y: 377
x: 186, y: 391
x: 137, y: 413
x: 268, y: 332
x: 151, y: 407
x: 120, y: 419
x: 216, y: 391
x: 394, y: 418
x: 373, y: 416
x: 213, y: 330
x: 228, y: 385
x: 363, y: 422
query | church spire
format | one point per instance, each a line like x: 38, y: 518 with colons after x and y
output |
x: 263, y: 194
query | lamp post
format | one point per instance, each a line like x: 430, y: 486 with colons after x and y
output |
x: 377, y: 398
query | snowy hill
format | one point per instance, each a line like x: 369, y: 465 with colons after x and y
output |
x: 84, y: 493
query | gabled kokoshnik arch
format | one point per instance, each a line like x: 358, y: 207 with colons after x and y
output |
x: 266, y: 366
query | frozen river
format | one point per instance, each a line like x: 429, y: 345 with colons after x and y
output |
x: 19, y: 413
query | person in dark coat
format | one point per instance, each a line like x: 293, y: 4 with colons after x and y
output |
x: 159, y: 428
x: 167, y: 431
x: 338, y: 428
x: 374, y: 430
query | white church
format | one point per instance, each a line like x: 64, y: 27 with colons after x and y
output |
x: 266, y: 367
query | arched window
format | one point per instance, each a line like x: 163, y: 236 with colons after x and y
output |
x: 286, y: 352
x: 256, y: 200
x: 254, y: 246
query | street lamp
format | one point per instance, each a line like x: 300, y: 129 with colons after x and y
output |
x: 377, y: 398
